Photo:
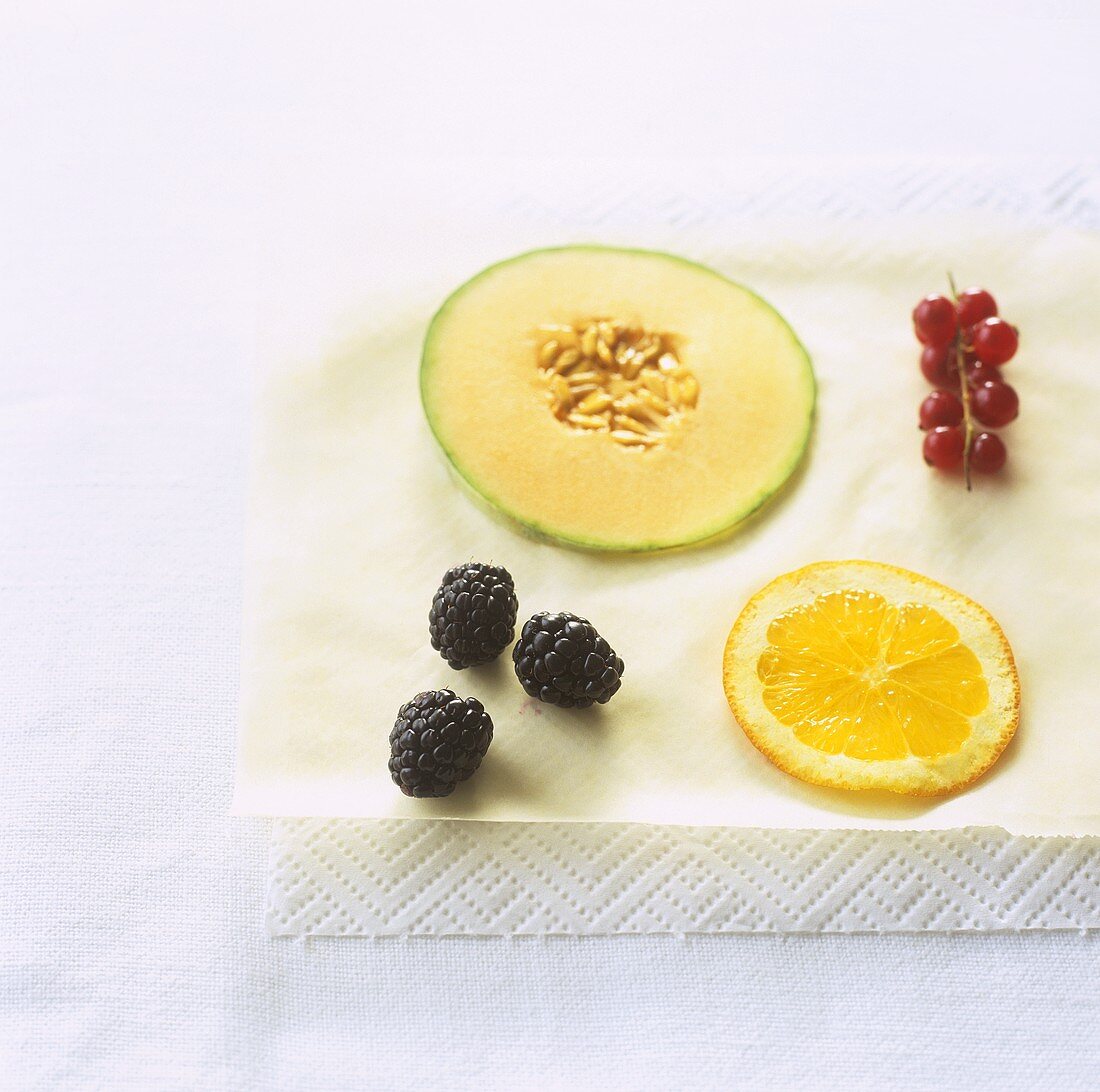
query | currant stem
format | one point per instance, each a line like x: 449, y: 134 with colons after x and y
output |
x: 964, y: 391
x: 968, y: 420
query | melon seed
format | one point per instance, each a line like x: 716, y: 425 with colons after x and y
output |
x: 631, y: 439
x: 561, y: 390
x: 594, y: 402
x: 548, y: 352
x: 640, y: 411
x: 628, y: 422
x: 568, y: 359
x: 588, y: 341
x: 586, y: 420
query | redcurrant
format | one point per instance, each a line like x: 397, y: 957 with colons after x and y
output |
x: 995, y: 404
x: 943, y: 447
x: 935, y: 321
x: 937, y: 365
x: 987, y: 453
x: 940, y: 408
x: 974, y: 305
x: 995, y: 341
x: 979, y: 373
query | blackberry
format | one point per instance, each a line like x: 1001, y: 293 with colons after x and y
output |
x: 438, y: 740
x: 473, y: 615
x: 561, y: 659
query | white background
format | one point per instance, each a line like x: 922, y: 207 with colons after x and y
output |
x: 149, y: 154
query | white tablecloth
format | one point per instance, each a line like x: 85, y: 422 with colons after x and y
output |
x: 142, y: 158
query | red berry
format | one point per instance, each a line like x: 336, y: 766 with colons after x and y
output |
x: 937, y: 365
x: 974, y: 305
x: 935, y: 320
x: 995, y: 341
x: 987, y: 453
x: 978, y: 374
x: 995, y: 404
x: 943, y: 447
x: 940, y: 408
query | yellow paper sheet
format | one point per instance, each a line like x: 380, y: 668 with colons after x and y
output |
x: 355, y: 517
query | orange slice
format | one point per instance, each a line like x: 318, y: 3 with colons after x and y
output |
x: 860, y: 675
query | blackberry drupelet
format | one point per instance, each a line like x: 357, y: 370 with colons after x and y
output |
x: 473, y: 615
x: 561, y: 659
x: 438, y: 740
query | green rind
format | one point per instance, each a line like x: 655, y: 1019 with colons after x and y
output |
x: 727, y: 524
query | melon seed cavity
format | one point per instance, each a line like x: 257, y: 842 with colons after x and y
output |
x: 605, y: 376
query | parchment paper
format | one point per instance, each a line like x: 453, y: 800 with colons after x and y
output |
x: 354, y: 518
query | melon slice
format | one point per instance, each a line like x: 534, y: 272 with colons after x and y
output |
x: 616, y: 399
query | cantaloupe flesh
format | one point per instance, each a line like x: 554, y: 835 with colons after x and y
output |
x: 487, y: 405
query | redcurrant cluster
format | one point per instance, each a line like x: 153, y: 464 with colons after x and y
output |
x: 965, y: 346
